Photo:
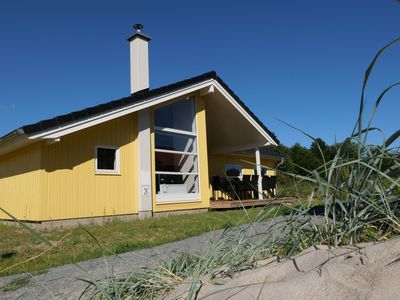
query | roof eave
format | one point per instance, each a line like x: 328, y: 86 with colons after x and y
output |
x: 13, y: 141
x: 112, y: 114
x: 85, y: 118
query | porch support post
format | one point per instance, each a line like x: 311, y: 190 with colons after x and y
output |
x: 258, y: 169
x: 144, y: 165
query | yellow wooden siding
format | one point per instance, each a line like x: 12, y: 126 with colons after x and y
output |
x: 20, y: 183
x: 71, y: 189
x: 204, y: 202
x: 218, y: 162
x: 217, y: 166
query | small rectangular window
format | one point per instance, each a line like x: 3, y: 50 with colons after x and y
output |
x: 107, y: 160
x: 233, y: 170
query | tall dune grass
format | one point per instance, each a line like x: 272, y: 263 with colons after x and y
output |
x: 359, y: 191
x: 359, y: 185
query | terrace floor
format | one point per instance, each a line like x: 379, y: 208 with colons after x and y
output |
x: 226, y: 204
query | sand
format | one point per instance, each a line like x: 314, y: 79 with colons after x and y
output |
x: 365, y: 271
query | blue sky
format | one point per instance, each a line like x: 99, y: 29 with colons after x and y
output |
x: 300, y: 61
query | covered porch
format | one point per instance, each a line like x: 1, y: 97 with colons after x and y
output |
x: 240, y: 176
x: 241, y: 160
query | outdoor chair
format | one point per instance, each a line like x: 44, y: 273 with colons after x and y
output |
x: 219, y: 185
x: 272, y: 185
x: 269, y: 184
x: 254, y: 185
x: 243, y: 186
x: 265, y: 182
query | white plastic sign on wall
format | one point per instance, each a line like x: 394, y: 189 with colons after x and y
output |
x: 145, y: 190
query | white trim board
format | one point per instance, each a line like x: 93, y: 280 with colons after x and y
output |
x: 101, y: 118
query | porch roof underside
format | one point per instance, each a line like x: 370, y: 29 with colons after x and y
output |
x: 228, y: 131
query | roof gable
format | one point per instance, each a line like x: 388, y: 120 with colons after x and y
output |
x: 135, y: 99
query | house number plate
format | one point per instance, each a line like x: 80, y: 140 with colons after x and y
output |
x: 145, y: 189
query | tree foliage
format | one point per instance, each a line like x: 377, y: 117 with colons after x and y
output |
x: 299, y: 159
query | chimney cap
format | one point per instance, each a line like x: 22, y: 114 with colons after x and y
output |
x: 138, y: 27
x: 138, y: 34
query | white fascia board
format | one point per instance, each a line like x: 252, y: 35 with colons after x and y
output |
x: 101, y: 118
x: 245, y: 114
x: 98, y: 119
x: 18, y: 141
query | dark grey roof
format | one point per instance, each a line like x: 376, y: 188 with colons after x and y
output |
x: 134, y: 98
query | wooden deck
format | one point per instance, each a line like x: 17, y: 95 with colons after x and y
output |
x: 227, y: 204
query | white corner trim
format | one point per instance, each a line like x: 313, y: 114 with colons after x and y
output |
x: 245, y: 113
x: 101, y: 118
x: 117, y: 170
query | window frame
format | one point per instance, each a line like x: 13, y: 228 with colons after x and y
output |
x: 180, y: 197
x: 116, y: 170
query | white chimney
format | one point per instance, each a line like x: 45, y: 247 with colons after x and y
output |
x: 139, y: 53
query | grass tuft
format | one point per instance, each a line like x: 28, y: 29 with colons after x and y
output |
x: 16, y: 284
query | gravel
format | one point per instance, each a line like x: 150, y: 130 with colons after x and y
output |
x: 64, y: 282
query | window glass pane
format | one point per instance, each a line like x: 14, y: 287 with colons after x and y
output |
x: 179, y: 115
x: 176, y: 142
x: 171, y: 162
x: 233, y: 170
x: 177, y: 184
x: 106, y: 159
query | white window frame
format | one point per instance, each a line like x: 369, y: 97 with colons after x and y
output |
x: 117, y: 170
x: 184, y: 197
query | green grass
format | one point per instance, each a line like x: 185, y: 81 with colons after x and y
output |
x: 76, y: 244
x: 295, y: 188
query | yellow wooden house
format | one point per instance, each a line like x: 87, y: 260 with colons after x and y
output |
x: 151, y: 152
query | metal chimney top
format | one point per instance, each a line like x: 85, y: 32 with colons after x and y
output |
x: 138, y: 27
x: 138, y: 34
